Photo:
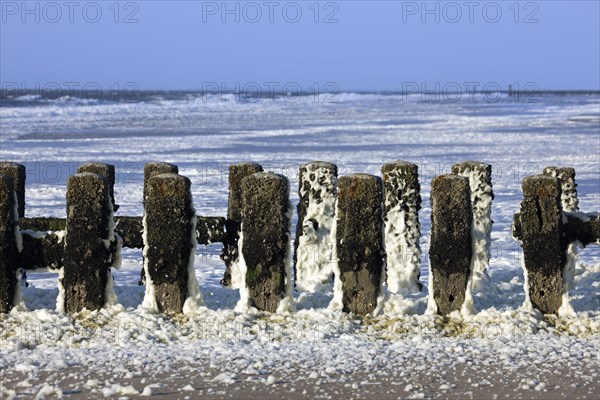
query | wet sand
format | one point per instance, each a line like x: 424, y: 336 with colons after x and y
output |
x: 413, y: 381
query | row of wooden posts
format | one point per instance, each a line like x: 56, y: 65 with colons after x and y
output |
x: 86, y: 244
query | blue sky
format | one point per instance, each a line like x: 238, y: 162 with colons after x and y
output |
x: 358, y: 45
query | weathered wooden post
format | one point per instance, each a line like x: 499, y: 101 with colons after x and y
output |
x: 570, y: 204
x: 550, y: 237
x: 542, y: 233
x: 105, y: 170
x: 402, y: 202
x: 87, y: 255
x: 17, y: 173
x: 480, y: 183
x: 151, y: 169
x: 313, y: 245
x: 359, y: 241
x: 169, y: 236
x: 9, y: 252
x: 265, y: 241
x: 237, y: 172
x: 450, y: 249
x: 155, y: 168
x: 568, y: 197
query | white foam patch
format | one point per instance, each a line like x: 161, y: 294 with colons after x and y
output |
x: 337, y: 302
x: 60, y: 299
x: 481, y: 228
x: 286, y: 305
x: 194, y: 300
x: 110, y: 297
x: 17, y: 230
x: 402, y: 232
x: 313, y: 255
x: 236, y: 274
x: 243, y: 305
x: 432, y: 307
x: 149, y: 303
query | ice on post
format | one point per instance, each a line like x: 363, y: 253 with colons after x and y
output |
x: 402, y: 231
x: 314, y: 242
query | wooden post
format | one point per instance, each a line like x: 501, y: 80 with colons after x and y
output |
x: 169, y: 227
x: 17, y: 173
x: 265, y: 238
x: 313, y: 245
x: 568, y: 186
x: 151, y: 169
x: 9, y: 253
x: 480, y: 183
x: 155, y: 168
x: 87, y: 256
x: 105, y: 170
x: 402, y: 202
x: 450, y: 248
x: 543, y: 241
x: 237, y: 172
x: 359, y: 241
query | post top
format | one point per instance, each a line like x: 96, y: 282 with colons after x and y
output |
x: 362, y: 176
x: 246, y: 165
x: 267, y: 176
x: 560, y: 172
x: 472, y: 165
x: 541, y: 185
x: 163, y: 166
x: 450, y: 178
x: 319, y: 164
x: 399, y: 164
x: 87, y: 176
x: 10, y: 164
x: 95, y: 165
x: 167, y: 176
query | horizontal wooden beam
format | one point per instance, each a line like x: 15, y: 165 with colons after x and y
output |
x: 41, y: 250
x: 208, y: 229
x: 584, y: 227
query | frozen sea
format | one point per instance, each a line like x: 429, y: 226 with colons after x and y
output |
x: 203, y: 134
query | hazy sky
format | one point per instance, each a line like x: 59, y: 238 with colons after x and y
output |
x: 357, y: 45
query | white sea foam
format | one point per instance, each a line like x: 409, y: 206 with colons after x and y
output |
x: 314, y: 252
x: 401, y: 238
x: 194, y: 299
x: 481, y: 229
x: 149, y: 304
x: 243, y: 304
